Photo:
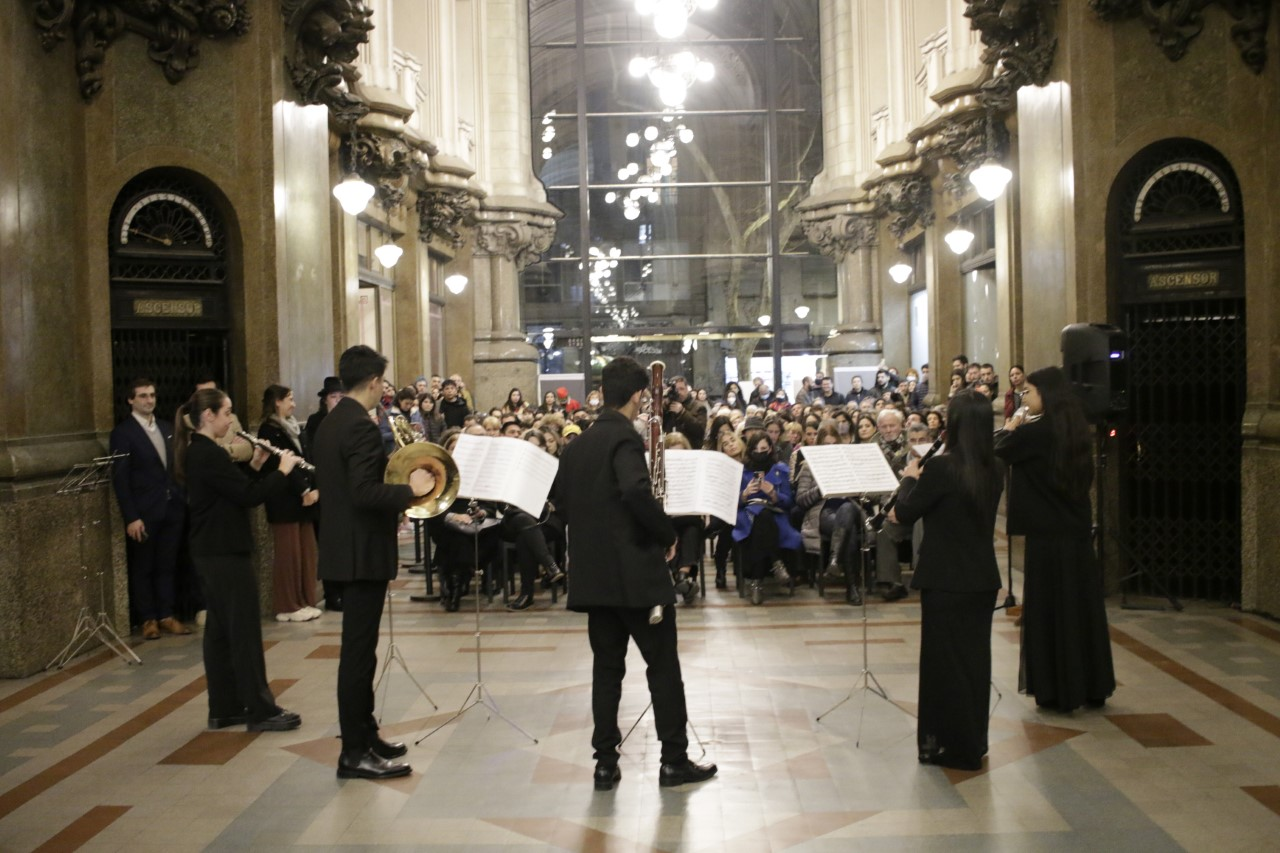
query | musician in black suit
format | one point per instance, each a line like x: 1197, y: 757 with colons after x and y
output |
x: 956, y: 493
x: 620, y: 540
x: 151, y: 504
x: 220, y: 494
x: 358, y: 520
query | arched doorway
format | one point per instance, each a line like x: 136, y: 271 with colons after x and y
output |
x: 170, y: 310
x: 1176, y: 238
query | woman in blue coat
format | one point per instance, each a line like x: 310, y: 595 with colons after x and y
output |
x: 764, y: 528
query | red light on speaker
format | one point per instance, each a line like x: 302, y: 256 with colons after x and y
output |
x: 1112, y: 433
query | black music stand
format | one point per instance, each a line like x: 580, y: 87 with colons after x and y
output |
x: 87, y: 477
x: 478, y: 695
x: 867, y: 681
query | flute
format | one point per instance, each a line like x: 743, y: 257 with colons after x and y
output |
x: 272, y: 449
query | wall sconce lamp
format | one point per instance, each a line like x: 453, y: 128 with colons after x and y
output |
x: 456, y: 283
x: 900, y: 272
x: 959, y: 240
x: 353, y: 193
x: 388, y: 254
x: 802, y: 311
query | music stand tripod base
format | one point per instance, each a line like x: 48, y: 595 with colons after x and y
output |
x: 391, y: 656
x: 82, y: 478
x: 478, y: 695
x: 702, y: 746
x: 867, y: 681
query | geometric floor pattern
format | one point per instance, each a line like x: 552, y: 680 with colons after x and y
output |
x: 1186, y: 756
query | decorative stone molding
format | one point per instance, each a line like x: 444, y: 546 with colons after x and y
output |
x: 517, y: 236
x: 384, y: 160
x: 1020, y: 43
x: 906, y: 200
x: 446, y: 214
x: 323, y: 39
x: 1173, y: 26
x: 837, y: 232
x: 173, y: 31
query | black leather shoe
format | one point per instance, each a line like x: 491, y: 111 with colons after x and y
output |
x: 895, y: 593
x: 721, y: 582
x: 366, y: 765
x: 285, y: 721
x: 387, y: 750
x: 227, y: 722
x: 607, y: 776
x: 684, y: 773
x: 524, y: 602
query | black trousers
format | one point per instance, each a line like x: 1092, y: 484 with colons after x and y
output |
x: 153, y: 565
x: 609, y: 628
x: 362, y: 603
x: 234, y: 666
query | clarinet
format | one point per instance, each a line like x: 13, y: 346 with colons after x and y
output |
x: 657, y: 453
x: 272, y: 449
x: 877, y: 520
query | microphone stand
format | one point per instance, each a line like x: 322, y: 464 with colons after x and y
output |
x: 867, y: 681
x: 478, y: 695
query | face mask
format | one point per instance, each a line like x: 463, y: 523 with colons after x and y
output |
x: 759, y: 456
x: 592, y: 401
x: 731, y: 399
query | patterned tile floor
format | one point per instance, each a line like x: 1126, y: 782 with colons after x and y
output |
x: 106, y: 757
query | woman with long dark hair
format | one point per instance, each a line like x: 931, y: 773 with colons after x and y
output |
x: 1066, y: 650
x: 291, y: 518
x: 219, y: 495
x: 958, y: 578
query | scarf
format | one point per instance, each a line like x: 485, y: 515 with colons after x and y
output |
x: 291, y: 428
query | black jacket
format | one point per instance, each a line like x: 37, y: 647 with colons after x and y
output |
x: 691, y: 422
x: 958, y: 553
x: 359, y: 513
x: 454, y: 413
x: 619, y: 533
x: 143, y: 482
x: 1037, y: 506
x: 220, y: 494
x: 284, y: 507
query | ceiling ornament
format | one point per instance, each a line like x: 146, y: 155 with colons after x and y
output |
x: 836, y: 234
x: 323, y: 39
x: 173, y: 31
x: 907, y: 202
x: 385, y: 161
x: 447, y: 214
x: 1174, y: 26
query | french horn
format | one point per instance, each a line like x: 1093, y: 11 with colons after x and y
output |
x: 414, y: 452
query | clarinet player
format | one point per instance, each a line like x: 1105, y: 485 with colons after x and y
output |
x: 620, y: 540
x: 958, y: 578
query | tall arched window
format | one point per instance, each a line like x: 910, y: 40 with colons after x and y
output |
x: 678, y: 163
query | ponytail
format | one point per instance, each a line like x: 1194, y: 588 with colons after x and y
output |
x: 187, y: 422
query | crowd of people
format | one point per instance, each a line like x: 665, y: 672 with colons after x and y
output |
x: 201, y: 463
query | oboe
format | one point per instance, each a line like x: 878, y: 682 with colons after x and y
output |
x: 272, y: 449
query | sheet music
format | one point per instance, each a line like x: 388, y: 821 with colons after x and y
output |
x: 504, y: 469
x: 702, y: 482
x: 850, y: 469
x: 921, y: 449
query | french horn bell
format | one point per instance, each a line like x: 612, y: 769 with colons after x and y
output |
x: 423, y: 454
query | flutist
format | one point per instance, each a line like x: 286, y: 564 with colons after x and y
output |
x: 619, y: 543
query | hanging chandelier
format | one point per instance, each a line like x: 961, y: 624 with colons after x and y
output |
x: 672, y: 75
x: 670, y: 17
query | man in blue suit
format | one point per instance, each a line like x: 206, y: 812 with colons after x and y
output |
x: 153, y: 510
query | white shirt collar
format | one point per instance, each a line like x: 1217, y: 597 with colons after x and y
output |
x: 148, y: 423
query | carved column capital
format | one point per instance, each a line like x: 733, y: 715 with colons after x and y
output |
x: 906, y: 200
x: 837, y: 232
x: 517, y: 236
x: 384, y: 160
x: 173, y: 31
x: 1020, y: 41
x: 322, y: 43
x: 447, y: 214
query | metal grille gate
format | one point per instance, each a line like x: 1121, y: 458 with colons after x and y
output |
x: 1180, y: 489
x: 170, y: 357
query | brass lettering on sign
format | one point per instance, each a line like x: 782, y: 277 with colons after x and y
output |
x: 1177, y: 280
x: 168, y: 308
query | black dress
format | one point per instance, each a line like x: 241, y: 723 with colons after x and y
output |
x: 1066, y: 648
x: 958, y: 579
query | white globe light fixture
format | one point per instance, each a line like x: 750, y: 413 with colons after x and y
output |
x: 990, y: 179
x: 802, y: 311
x: 764, y: 319
x: 353, y: 193
x: 900, y: 272
x: 456, y: 283
x: 959, y: 240
x: 671, y: 17
x: 388, y: 254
